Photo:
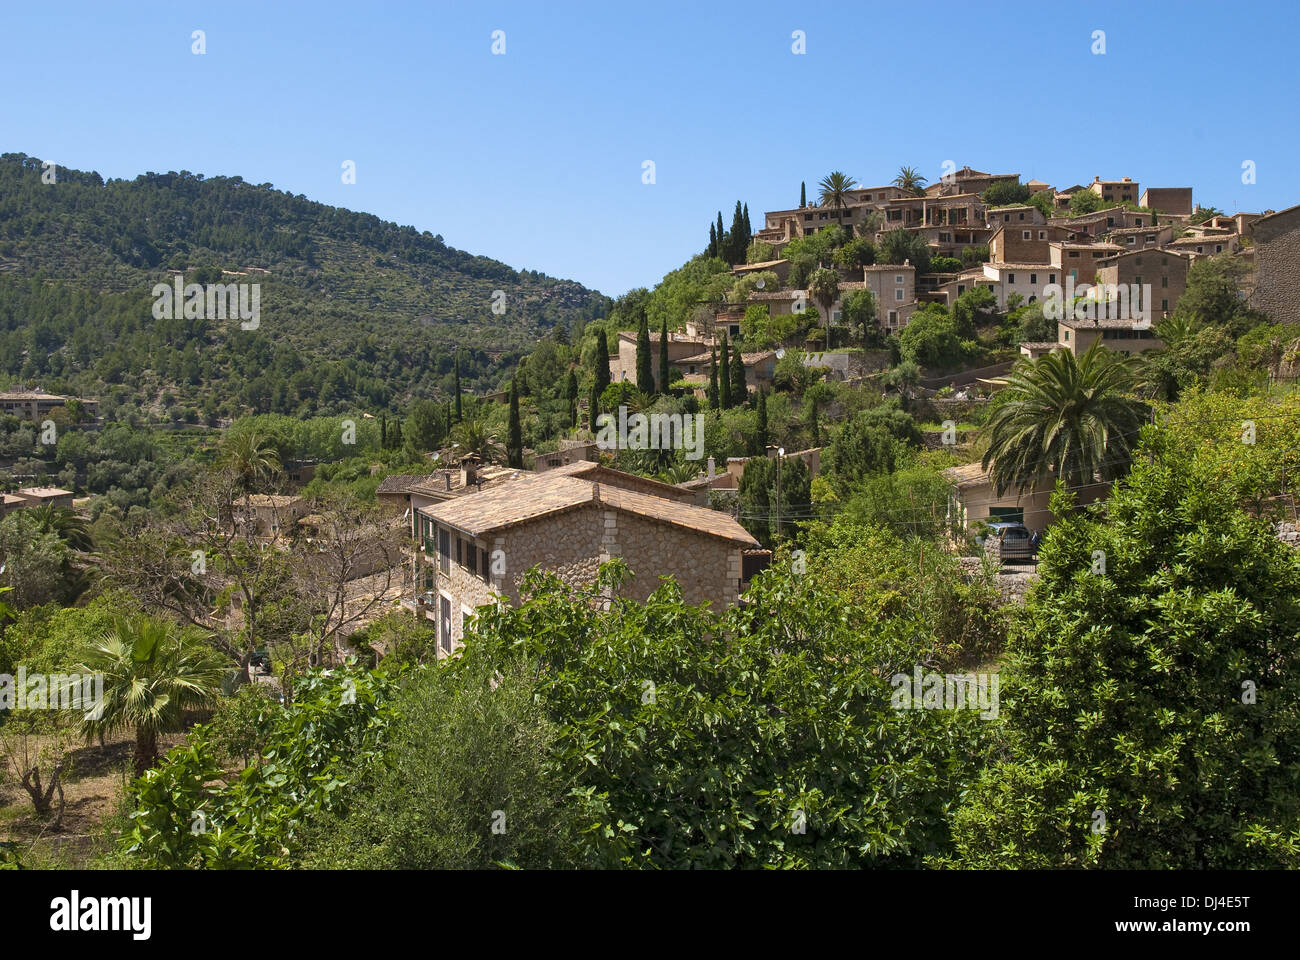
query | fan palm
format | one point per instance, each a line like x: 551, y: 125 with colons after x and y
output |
x: 835, y: 189
x: 65, y: 525
x: 1066, y: 416
x: 152, y: 672
x: 911, y: 181
x: 471, y: 437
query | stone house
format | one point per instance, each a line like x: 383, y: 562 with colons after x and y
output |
x: 1277, y: 265
x: 622, y: 366
x: 1080, y: 260
x: 477, y: 548
x: 1023, y: 243
x: 1164, y: 270
x: 1172, y: 200
x: 973, y: 499
x: 1115, y: 191
x: 1122, y: 336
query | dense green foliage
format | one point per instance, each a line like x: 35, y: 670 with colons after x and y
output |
x: 355, y: 310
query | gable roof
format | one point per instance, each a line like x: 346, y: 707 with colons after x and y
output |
x: 536, y: 498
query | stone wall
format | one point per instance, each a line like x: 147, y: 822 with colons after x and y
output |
x: 1277, y: 266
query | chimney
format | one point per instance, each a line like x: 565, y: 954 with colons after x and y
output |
x: 712, y: 468
x: 469, y: 470
x: 447, y: 479
x: 595, y: 491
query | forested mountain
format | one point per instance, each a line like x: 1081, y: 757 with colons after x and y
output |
x: 354, y: 310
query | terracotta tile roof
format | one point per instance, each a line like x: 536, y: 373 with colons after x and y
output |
x: 535, y: 498
x: 765, y: 264
x: 967, y: 475
x: 256, y: 500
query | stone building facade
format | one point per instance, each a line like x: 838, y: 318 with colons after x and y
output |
x: 476, y: 549
x: 1277, y: 265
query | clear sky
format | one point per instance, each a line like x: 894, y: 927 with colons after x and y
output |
x: 535, y: 156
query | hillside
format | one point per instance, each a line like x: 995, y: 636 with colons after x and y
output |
x: 354, y: 310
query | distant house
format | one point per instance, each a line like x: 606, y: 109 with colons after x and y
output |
x: 481, y: 545
x: 1172, y: 200
x: 1124, y: 190
x: 45, y: 496
x: 570, y: 451
x: 269, y: 514
x: 35, y: 405
x: 973, y: 500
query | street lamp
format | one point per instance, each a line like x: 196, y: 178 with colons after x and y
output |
x: 780, y: 455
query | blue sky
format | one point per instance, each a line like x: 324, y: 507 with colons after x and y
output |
x: 535, y: 157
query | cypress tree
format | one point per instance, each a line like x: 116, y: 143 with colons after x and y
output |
x: 645, y: 378
x: 601, y: 372
x: 712, y: 393
x: 803, y: 195
x: 571, y: 394
x: 737, y: 242
x: 749, y: 233
x: 724, y: 375
x: 722, y: 238
x: 760, y: 435
x: 515, y: 441
x: 458, y: 407
x: 396, y: 437
x: 664, y: 373
x: 383, y: 430
x: 713, y: 240
x: 738, y: 392
x: 593, y: 403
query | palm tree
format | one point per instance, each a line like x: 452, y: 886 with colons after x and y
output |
x: 1066, y: 416
x: 252, y: 458
x: 153, y: 671
x: 824, y: 285
x: 835, y: 188
x: 471, y: 437
x: 1156, y: 371
x: 65, y: 525
x: 911, y: 181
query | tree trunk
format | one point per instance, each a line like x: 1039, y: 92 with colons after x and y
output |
x: 146, y: 750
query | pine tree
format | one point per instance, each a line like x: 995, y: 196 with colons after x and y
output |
x: 712, y: 394
x: 724, y: 375
x: 738, y: 392
x: 645, y: 378
x: 601, y: 373
x: 713, y: 240
x: 803, y: 195
x: 664, y: 373
x: 458, y: 407
x: 515, y: 441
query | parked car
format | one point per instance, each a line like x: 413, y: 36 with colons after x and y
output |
x: 1009, y: 541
